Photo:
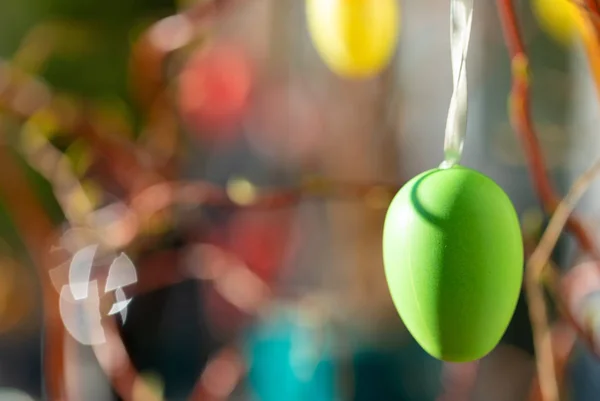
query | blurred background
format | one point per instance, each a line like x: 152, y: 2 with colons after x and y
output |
x: 191, y: 203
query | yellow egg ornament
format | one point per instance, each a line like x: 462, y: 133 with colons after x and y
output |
x: 561, y: 19
x: 355, y: 38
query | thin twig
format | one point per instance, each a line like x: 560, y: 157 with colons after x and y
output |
x: 533, y: 277
x: 539, y: 259
x: 564, y: 340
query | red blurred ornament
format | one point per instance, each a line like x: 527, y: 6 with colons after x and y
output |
x: 236, y: 292
x: 262, y: 240
x: 252, y: 248
x: 214, y: 88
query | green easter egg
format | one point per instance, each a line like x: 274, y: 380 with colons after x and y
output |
x: 453, y: 255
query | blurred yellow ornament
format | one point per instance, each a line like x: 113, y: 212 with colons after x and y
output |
x: 355, y: 38
x: 561, y: 19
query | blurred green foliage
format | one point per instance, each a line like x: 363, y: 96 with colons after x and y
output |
x: 98, y: 41
x: 90, y: 59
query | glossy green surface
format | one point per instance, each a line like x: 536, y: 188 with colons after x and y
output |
x: 453, y: 256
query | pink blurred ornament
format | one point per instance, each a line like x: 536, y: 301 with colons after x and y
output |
x: 284, y: 124
x: 581, y: 294
x: 214, y: 88
x: 579, y: 282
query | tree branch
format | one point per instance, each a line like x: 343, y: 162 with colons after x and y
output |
x: 520, y: 115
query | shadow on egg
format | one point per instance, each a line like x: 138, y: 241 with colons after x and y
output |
x: 418, y: 206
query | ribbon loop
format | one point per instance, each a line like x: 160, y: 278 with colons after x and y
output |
x: 461, y: 16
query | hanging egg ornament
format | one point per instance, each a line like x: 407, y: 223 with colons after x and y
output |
x: 453, y: 255
x: 561, y: 19
x: 355, y: 38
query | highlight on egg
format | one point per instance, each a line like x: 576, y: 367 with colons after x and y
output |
x: 357, y: 38
x: 453, y: 256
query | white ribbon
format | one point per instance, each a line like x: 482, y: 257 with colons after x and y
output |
x: 461, y: 16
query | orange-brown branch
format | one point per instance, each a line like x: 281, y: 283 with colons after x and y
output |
x: 520, y: 114
x: 36, y: 231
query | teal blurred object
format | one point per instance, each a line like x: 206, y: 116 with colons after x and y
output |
x: 291, y: 358
x: 583, y: 373
x: 404, y: 373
